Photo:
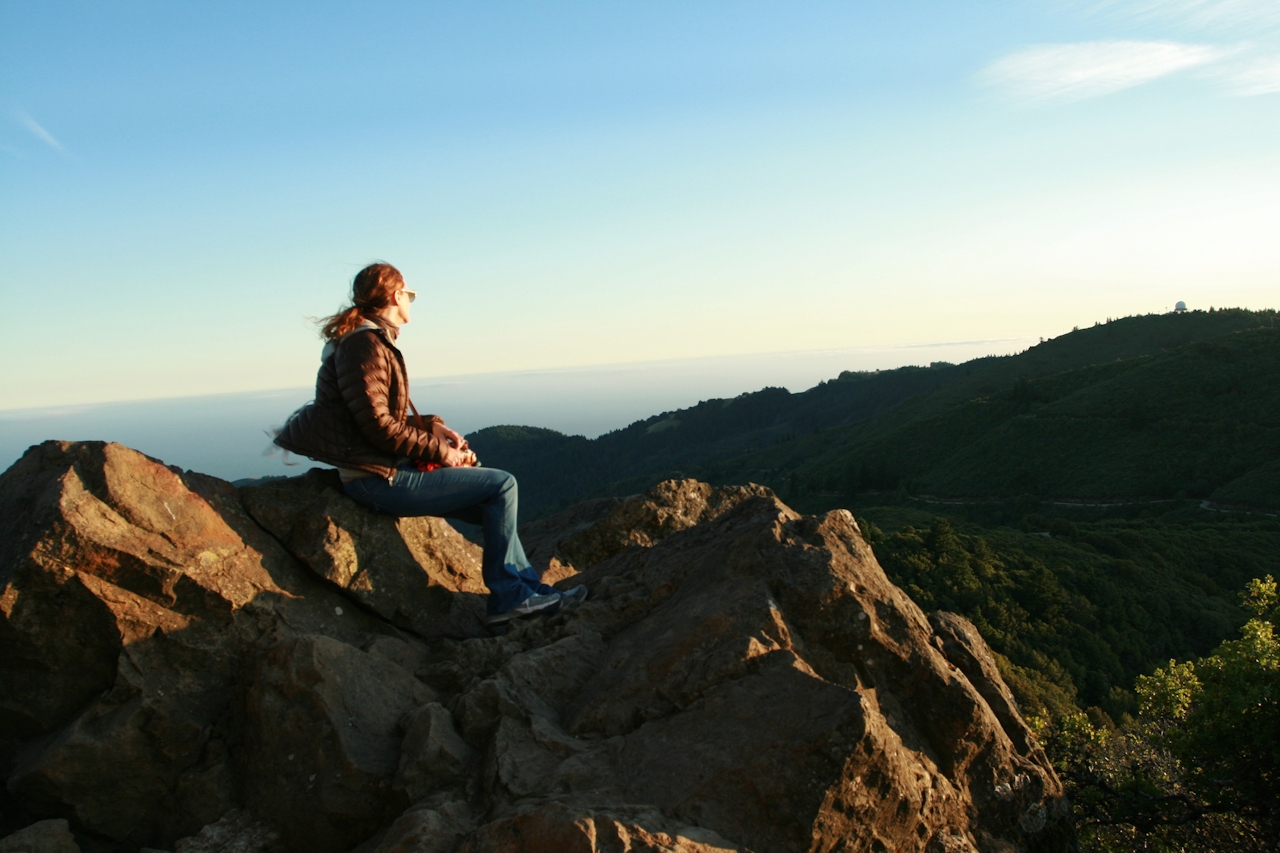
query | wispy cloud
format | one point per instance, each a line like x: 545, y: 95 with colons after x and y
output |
x: 1198, y: 14
x: 1088, y: 69
x: 1259, y: 76
x: 45, y: 136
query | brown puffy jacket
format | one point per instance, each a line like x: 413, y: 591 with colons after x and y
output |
x: 357, y: 419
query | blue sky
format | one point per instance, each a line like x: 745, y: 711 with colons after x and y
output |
x: 577, y: 184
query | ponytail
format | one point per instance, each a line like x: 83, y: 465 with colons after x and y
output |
x: 341, y: 323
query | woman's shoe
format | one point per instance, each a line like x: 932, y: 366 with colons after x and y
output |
x: 577, y: 595
x: 534, y: 605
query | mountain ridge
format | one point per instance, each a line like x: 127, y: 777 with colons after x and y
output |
x: 770, y: 435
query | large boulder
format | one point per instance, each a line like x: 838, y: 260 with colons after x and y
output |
x: 420, y: 574
x: 132, y: 598
x: 757, y: 680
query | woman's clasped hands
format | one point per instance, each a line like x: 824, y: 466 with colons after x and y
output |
x: 457, y: 453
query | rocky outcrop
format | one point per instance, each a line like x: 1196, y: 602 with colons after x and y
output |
x: 417, y: 573
x: 135, y: 600
x: 759, y: 677
x: 591, y: 532
x: 743, y: 678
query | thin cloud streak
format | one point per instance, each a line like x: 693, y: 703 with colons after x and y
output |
x: 1089, y: 69
x: 1257, y: 77
x: 1199, y: 14
x: 45, y: 136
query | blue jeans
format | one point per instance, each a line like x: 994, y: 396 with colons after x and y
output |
x: 484, y: 496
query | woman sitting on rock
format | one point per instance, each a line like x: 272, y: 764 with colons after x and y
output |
x: 358, y: 424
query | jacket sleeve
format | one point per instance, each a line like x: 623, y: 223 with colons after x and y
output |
x: 365, y: 369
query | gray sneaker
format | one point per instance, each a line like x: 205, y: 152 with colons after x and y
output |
x: 577, y: 595
x: 540, y: 605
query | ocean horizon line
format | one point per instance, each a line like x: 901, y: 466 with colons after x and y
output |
x: 436, y: 380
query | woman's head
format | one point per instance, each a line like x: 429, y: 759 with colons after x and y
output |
x: 373, y: 294
x: 375, y: 286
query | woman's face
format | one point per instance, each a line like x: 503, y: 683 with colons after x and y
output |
x: 398, y: 311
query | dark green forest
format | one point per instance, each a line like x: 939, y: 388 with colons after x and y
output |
x: 1095, y: 505
x: 1159, y: 406
x: 1080, y: 613
x: 1201, y: 421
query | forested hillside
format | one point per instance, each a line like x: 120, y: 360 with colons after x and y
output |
x: 1080, y: 608
x: 1127, y: 408
x: 556, y: 470
x: 1187, y: 423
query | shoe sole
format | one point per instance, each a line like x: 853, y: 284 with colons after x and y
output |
x: 573, y: 602
x: 511, y: 616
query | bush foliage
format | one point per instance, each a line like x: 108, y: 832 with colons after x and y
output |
x: 1199, y: 769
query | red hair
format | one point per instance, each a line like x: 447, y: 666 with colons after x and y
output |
x: 373, y: 289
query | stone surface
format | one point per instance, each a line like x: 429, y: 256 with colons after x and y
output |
x: 542, y: 539
x: 964, y: 647
x: 559, y: 829
x: 436, y: 829
x: 577, y: 538
x: 418, y: 573
x: 132, y: 597
x: 237, y: 831
x: 433, y: 756
x: 758, y: 676
x: 322, y: 739
x: 46, y: 836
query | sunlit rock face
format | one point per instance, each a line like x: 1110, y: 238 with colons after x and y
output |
x: 416, y: 573
x: 595, y: 530
x: 757, y: 675
x: 278, y: 669
x: 136, y: 603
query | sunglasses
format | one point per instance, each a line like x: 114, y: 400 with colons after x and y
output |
x: 412, y: 294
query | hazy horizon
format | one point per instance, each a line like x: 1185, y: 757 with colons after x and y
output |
x: 228, y: 435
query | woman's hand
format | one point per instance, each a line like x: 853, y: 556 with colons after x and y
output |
x: 456, y: 458
x: 451, y: 436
